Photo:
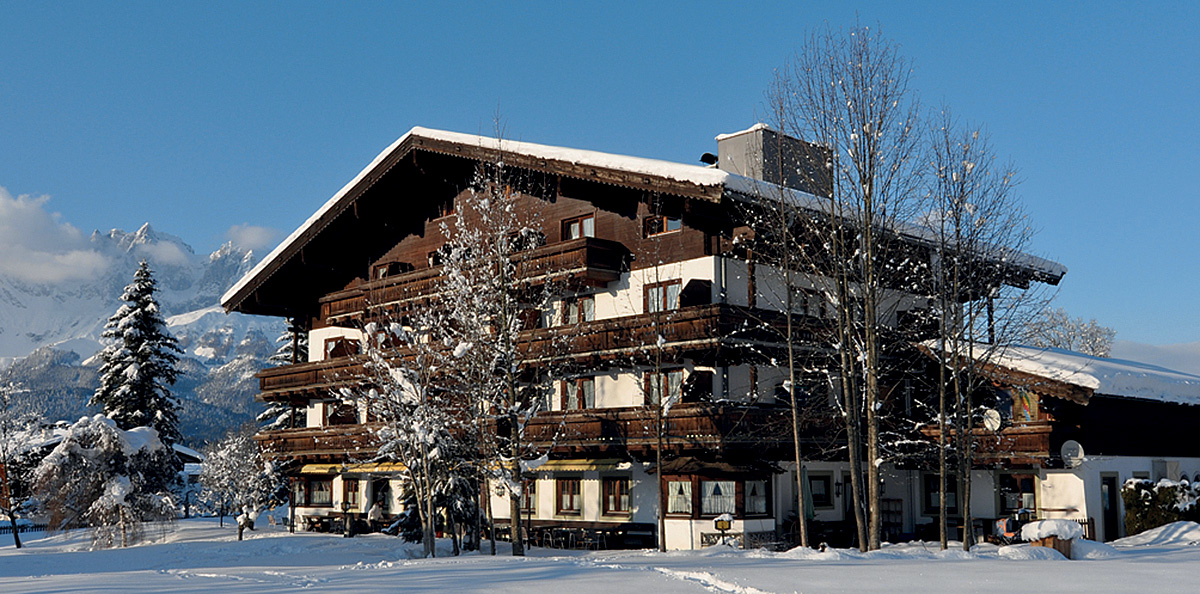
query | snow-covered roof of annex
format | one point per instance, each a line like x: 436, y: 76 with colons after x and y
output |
x: 709, y: 182
x: 1110, y: 377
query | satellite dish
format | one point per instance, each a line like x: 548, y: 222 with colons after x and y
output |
x: 991, y: 420
x: 1072, y: 453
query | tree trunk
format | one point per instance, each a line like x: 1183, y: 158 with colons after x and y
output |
x: 514, y: 497
x: 12, y: 521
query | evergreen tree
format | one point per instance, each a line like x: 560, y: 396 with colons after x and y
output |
x: 140, y: 364
x: 293, y: 349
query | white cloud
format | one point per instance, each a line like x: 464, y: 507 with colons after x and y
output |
x: 252, y: 237
x: 36, y: 247
x: 164, y: 253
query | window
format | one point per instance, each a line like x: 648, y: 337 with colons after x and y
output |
x: 718, y: 497
x: 350, y: 492
x: 577, y: 227
x: 616, y: 495
x: 392, y: 269
x: 664, y: 384
x: 579, y: 394
x: 320, y: 491
x: 529, y: 495
x: 579, y: 309
x: 931, y: 496
x: 820, y: 490
x: 445, y: 209
x: 756, y: 498
x: 658, y: 225
x: 340, y: 412
x: 299, y: 498
x: 662, y: 296
x: 806, y: 303
x: 679, y: 497
x: 340, y: 347
x: 568, y: 495
x: 1017, y: 491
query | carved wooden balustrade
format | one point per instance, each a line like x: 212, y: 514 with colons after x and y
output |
x: 1022, y: 443
x: 333, y: 443
x: 584, y: 261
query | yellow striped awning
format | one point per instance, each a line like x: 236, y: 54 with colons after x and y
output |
x: 602, y: 464
x: 351, y: 468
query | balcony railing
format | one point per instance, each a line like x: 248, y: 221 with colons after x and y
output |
x: 694, y: 426
x: 587, y: 260
x: 687, y: 427
x: 1024, y: 443
x: 300, y: 381
x: 625, y: 340
x: 320, y: 444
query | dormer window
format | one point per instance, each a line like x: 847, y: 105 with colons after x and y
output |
x: 577, y: 227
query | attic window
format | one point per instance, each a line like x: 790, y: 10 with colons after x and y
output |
x: 660, y: 225
x: 391, y: 269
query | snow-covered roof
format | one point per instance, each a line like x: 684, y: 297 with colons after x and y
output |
x: 693, y: 174
x: 699, y: 176
x: 1112, y: 377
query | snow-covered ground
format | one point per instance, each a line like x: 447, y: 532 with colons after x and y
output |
x: 198, y: 556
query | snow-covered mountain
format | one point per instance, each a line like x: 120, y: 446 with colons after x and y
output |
x: 49, y: 331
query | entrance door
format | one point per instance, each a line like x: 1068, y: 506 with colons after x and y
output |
x: 1110, y: 506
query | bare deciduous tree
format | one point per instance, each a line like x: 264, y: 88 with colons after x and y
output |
x: 1055, y: 328
x: 848, y: 93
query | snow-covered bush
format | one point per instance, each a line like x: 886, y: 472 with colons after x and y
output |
x: 1150, y: 504
x: 111, y: 480
x: 237, y: 479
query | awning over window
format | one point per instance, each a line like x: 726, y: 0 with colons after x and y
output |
x: 602, y: 464
x: 351, y: 468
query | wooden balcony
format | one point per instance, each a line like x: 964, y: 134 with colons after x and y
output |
x: 335, y: 443
x: 706, y: 427
x: 295, y: 384
x: 685, y: 331
x: 698, y: 332
x: 586, y: 261
x: 692, y: 427
x: 1026, y: 443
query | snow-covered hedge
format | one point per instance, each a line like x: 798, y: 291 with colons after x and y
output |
x: 1150, y: 504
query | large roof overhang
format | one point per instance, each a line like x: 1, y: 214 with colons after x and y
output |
x: 383, y: 202
x: 290, y: 277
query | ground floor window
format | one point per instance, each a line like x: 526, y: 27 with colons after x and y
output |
x: 320, y: 491
x: 529, y: 495
x: 616, y: 495
x: 568, y: 495
x: 679, y: 497
x: 820, y: 489
x: 350, y: 492
x: 756, y: 498
x: 1017, y: 491
x: 718, y: 497
x: 931, y: 499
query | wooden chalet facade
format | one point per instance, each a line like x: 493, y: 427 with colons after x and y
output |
x: 632, y: 239
x: 1070, y: 429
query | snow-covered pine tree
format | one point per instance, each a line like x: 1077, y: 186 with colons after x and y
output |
x: 293, y: 348
x: 139, y: 366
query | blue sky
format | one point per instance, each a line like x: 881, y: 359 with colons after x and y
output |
x: 200, y: 117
